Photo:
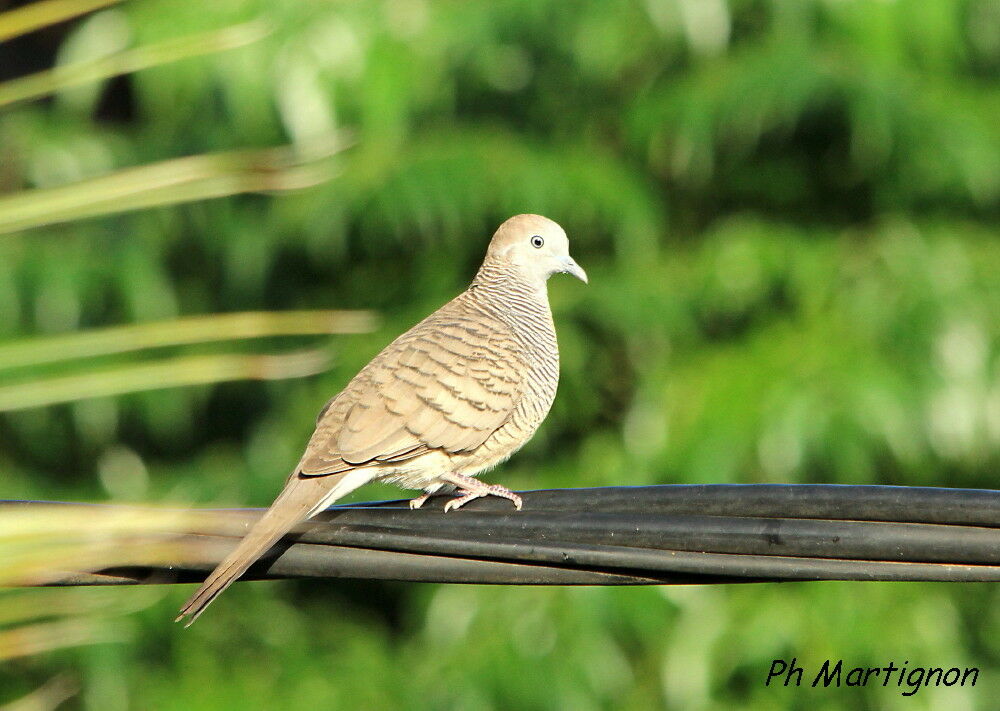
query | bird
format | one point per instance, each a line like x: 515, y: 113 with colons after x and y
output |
x: 452, y: 397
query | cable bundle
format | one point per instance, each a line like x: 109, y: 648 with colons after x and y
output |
x: 627, y: 536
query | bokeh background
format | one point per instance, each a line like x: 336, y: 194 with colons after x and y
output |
x: 789, y: 213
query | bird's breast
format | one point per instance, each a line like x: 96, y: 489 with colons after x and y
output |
x: 534, y: 333
x: 541, y: 352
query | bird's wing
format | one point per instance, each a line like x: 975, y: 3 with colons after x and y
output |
x: 447, y: 384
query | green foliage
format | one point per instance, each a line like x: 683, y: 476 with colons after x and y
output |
x: 788, y: 211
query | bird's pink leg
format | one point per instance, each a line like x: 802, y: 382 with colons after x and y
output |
x: 470, y: 488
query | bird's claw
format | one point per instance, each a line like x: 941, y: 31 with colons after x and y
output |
x: 419, y: 501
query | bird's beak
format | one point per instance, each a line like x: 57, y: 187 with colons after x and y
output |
x: 571, y: 267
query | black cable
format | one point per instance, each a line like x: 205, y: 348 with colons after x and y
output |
x: 624, y: 535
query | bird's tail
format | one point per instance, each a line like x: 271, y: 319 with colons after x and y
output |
x: 300, y: 499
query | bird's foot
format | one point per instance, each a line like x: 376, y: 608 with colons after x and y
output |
x: 419, y: 501
x: 465, y: 496
x: 469, y: 488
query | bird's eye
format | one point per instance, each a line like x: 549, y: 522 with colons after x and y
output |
x: 537, y: 241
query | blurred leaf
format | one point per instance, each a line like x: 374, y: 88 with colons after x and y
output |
x: 168, y: 373
x: 194, y: 329
x: 19, y: 606
x: 28, y: 640
x: 37, y: 15
x: 173, y: 181
x: 49, y: 696
x: 40, y: 544
x: 125, y: 62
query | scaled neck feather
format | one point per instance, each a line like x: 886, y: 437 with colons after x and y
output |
x: 506, y: 285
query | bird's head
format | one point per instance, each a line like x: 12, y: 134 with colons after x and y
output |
x: 535, y: 246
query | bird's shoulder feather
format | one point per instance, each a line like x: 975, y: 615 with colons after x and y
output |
x: 446, y: 384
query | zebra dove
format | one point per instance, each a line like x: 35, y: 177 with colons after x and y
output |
x: 455, y: 395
